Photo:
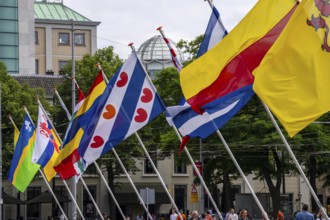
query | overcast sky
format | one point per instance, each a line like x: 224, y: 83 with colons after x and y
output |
x: 126, y: 21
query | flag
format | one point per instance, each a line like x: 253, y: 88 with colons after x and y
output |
x: 214, y: 32
x: 293, y: 78
x: 16, y: 135
x: 46, y: 148
x: 69, y: 162
x: 192, y: 124
x: 128, y: 103
x: 22, y: 170
x: 228, y: 66
x: 219, y: 112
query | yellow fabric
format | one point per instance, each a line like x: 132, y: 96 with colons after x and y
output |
x: 49, y: 171
x: 16, y: 135
x: 293, y: 78
x: 205, y: 70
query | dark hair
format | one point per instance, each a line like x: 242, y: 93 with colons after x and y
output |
x: 305, y: 207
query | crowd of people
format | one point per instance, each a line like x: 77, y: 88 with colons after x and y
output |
x: 243, y: 214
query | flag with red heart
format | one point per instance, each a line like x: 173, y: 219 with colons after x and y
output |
x: 128, y: 103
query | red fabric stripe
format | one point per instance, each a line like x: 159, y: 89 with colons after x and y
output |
x: 183, y: 144
x: 166, y: 40
x: 81, y: 95
x: 98, y: 80
x: 66, y: 169
x: 238, y: 72
x: 173, y: 52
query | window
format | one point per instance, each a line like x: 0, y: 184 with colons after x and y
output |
x: 89, y: 209
x: 64, y: 38
x: 61, y: 65
x: 37, y: 66
x: 33, y: 210
x: 179, y: 167
x: 79, y: 39
x: 36, y: 39
x: 180, y: 196
x: 148, y: 169
x: 63, y: 193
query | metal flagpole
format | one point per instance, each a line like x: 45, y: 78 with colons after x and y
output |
x: 60, y: 140
x: 131, y: 181
x: 203, y: 184
x: 123, y: 167
x: 42, y: 174
x: 95, y: 164
x: 91, y: 196
x: 1, y: 200
x: 73, y: 182
x: 146, y: 152
x: 287, y: 146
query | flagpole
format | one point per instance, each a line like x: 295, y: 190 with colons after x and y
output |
x: 60, y: 140
x: 287, y: 146
x: 179, y: 67
x: 91, y: 196
x: 73, y: 100
x: 42, y: 174
x: 145, y: 150
x: 1, y: 199
x: 132, y: 184
x: 123, y: 167
x: 95, y: 164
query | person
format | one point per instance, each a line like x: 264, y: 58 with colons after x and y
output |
x: 244, y: 215
x: 184, y: 217
x: 208, y: 215
x: 173, y: 215
x: 194, y: 216
x: 231, y: 215
x: 280, y: 215
x: 304, y: 214
x: 139, y: 217
x: 320, y: 216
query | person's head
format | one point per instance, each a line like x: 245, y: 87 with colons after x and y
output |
x: 173, y: 210
x: 194, y: 214
x: 244, y: 213
x: 304, y: 207
x: 232, y: 210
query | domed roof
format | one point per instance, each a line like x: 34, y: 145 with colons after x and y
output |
x: 156, y: 48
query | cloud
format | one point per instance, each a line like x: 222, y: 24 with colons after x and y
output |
x: 127, y: 21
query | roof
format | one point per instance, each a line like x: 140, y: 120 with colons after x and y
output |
x: 56, y: 11
x: 48, y: 83
x: 155, y: 48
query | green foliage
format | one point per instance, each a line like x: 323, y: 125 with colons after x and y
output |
x: 13, y: 98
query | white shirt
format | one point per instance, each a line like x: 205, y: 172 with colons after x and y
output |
x: 173, y: 216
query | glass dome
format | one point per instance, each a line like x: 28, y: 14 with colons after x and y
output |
x: 155, y: 54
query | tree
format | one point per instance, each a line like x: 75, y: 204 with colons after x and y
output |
x: 13, y: 97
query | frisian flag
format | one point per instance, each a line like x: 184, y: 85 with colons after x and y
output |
x: 46, y: 149
x: 192, y: 124
x: 128, y: 103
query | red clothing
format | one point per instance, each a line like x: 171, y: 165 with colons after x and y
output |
x: 183, y: 216
x: 280, y: 215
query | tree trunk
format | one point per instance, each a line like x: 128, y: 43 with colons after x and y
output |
x: 312, y: 179
x: 226, y: 200
x: 113, y: 213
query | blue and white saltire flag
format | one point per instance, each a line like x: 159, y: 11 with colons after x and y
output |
x: 214, y: 33
x: 128, y: 103
x: 217, y: 113
x: 220, y: 111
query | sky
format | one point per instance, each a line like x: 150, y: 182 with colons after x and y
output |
x: 135, y: 21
